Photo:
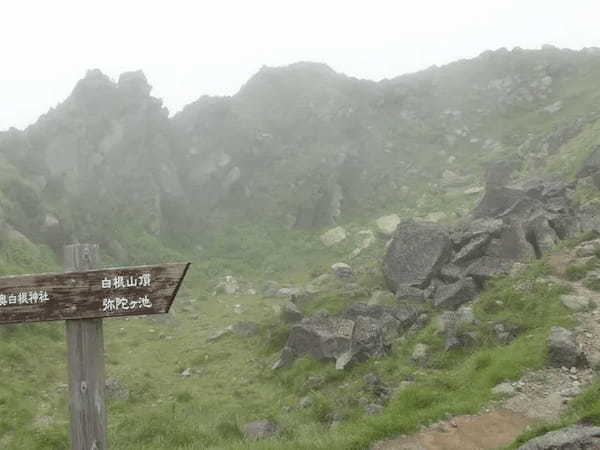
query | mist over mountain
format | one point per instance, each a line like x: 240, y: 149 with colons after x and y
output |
x: 302, y: 145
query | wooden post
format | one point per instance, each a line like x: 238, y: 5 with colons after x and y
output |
x: 85, y: 344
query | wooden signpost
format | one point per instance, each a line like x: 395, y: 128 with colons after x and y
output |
x: 83, y: 296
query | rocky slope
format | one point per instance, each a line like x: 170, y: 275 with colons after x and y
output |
x: 301, y: 146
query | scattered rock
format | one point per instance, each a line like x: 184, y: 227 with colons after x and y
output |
x: 372, y: 379
x: 504, y: 389
x: 228, y: 286
x: 333, y: 236
x: 563, y: 349
x: 405, y: 292
x: 342, y: 271
x: 454, y: 295
x: 505, y: 333
x: 588, y: 248
x: 373, y: 409
x: 271, y: 288
x: 260, y: 429
x: 386, y: 225
x: 576, y: 302
x: 290, y: 313
x: 305, y: 402
x: 420, y: 354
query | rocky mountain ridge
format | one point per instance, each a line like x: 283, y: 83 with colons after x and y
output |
x: 301, y: 146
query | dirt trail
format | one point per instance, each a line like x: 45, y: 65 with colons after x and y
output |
x: 541, y: 396
x: 485, y: 431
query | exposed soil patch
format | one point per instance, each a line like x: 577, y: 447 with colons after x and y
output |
x: 485, y: 431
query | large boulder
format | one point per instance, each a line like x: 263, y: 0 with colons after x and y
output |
x: 563, y: 350
x: 576, y: 437
x: 511, y: 244
x: 496, y: 200
x: 454, y: 295
x: 361, y: 332
x: 416, y: 254
x: 323, y: 337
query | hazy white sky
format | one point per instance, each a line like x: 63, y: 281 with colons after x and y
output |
x: 191, y: 48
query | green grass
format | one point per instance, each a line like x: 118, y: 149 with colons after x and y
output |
x: 232, y: 382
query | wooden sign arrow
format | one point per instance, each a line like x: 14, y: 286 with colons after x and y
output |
x: 124, y: 291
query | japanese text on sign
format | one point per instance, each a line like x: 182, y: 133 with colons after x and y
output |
x: 124, y: 304
x: 24, y: 298
x: 120, y: 281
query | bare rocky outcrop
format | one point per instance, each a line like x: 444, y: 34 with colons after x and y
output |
x: 570, y: 438
x: 361, y: 332
x: 510, y: 224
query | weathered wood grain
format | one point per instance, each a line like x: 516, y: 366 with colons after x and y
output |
x: 80, y: 295
x: 85, y: 344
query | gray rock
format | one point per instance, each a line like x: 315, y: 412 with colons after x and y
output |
x: 373, y: 409
x: 333, y: 236
x: 452, y: 326
x: 542, y: 234
x: 486, y: 267
x: 474, y: 249
x: 496, y: 200
x: 386, y: 225
x: 505, y: 333
x: 576, y: 437
x: 474, y: 229
x: 563, y: 349
x: 229, y: 286
x: 270, y: 288
x: 290, y: 313
x: 511, y: 245
x: 576, y: 302
x: 342, y: 271
x: 305, y: 402
x: 416, y: 254
x: 260, y: 429
x: 588, y: 248
x: 245, y: 329
x: 505, y: 389
x: 454, y: 295
x: 405, y: 292
x: 324, y: 338
x: 372, y: 379
x: 420, y: 353
x: 451, y: 273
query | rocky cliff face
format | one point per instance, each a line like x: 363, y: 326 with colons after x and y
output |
x: 109, y: 150
x: 299, y: 145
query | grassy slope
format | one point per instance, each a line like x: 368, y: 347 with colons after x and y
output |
x: 232, y: 382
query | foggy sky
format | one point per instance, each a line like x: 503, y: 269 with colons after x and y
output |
x: 191, y: 48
